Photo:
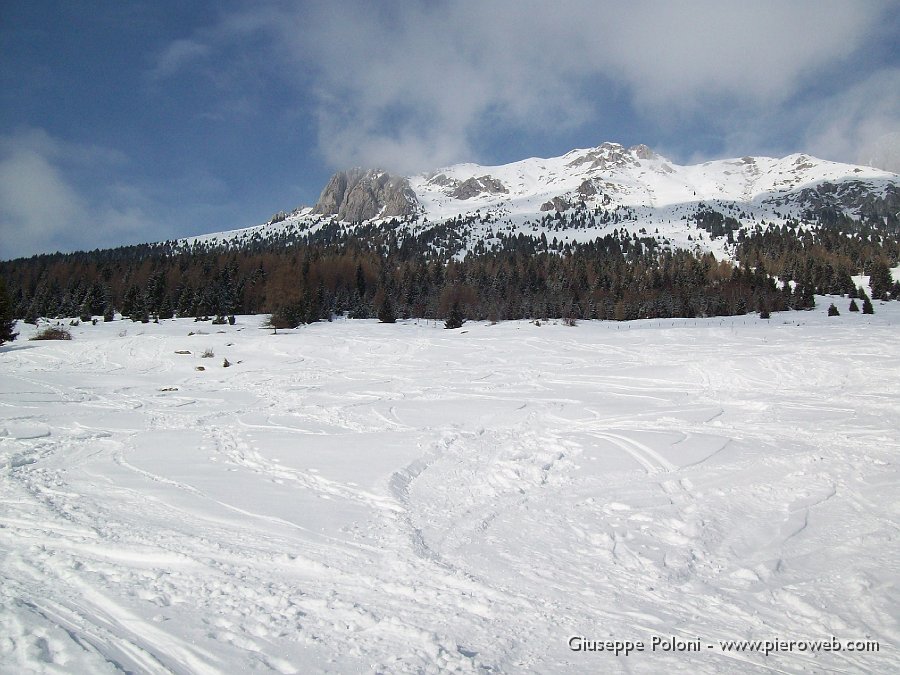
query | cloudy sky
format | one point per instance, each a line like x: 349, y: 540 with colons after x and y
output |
x: 129, y: 121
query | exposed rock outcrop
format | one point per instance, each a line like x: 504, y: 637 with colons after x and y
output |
x: 612, y: 156
x: 473, y: 187
x: 360, y: 194
x: 642, y: 152
x: 443, y: 181
x: 587, y: 188
x: 557, y: 204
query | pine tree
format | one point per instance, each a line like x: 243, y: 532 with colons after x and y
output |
x: 853, y: 306
x: 386, y: 312
x: 832, y: 310
x: 132, y: 302
x: 867, y: 307
x: 165, y: 309
x: 455, y: 318
x: 84, y: 311
x: 880, y: 280
x: 7, y: 320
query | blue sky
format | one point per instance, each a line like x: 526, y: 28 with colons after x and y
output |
x: 125, y: 122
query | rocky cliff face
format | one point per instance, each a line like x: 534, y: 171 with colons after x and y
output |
x: 612, y: 155
x: 471, y: 187
x: 478, y: 186
x: 360, y: 194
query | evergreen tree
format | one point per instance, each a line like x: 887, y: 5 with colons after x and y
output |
x: 359, y: 308
x: 185, y: 301
x: 96, y: 298
x: 853, y: 306
x: 386, y: 312
x: 286, y: 316
x: 133, y: 301
x: 880, y: 280
x: 7, y: 320
x: 139, y: 310
x: 165, y: 309
x: 867, y: 307
x: 84, y: 312
x: 455, y: 318
x: 832, y: 310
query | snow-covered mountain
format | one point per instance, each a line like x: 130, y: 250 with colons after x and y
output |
x: 588, y: 192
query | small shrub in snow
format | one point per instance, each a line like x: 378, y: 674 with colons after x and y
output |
x: 208, y: 354
x: 53, y: 333
x: 284, y: 317
x: 853, y: 306
x: 833, y: 311
x: 226, y: 363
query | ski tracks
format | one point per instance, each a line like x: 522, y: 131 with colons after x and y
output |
x: 647, y: 457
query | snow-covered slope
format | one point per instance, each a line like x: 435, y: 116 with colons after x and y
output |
x: 636, y: 189
x: 635, y: 177
x: 365, y: 497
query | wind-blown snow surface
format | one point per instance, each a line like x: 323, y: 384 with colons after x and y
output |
x: 356, y: 496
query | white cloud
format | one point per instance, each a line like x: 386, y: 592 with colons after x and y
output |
x: 861, y: 124
x: 882, y: 151
x: 417, y: 85
x: 756, y: 52
x: 42, y: 208
x: 34, y: 200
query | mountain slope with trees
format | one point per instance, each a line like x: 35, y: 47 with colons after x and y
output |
x: 608, y: 233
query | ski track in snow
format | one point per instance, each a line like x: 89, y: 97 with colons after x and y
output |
x: 356, y: 497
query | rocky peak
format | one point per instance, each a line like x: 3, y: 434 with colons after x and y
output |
x: 642, y: 152
x: 473, y: 187
x: 362, y: 194
x: 611, y: 156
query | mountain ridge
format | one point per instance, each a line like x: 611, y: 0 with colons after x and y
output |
x: 600, y: 233
x: 600, y: 188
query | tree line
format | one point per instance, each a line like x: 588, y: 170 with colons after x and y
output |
x: 375, y: 271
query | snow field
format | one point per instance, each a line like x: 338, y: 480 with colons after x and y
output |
x: 353, y: 496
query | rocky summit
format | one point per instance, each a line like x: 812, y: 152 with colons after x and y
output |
x: 590, y: 193
x: 359, y: 194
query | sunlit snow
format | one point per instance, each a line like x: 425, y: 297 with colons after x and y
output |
x: 354, y: 496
